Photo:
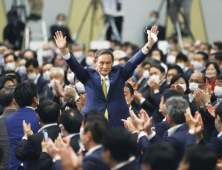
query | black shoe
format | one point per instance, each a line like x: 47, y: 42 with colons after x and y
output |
x: 33, y: 17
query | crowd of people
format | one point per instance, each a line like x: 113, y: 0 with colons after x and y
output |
x: 121, y: 108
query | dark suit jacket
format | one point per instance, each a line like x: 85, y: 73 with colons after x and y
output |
x: 90, y: 162
x: 214, y: 144
x: 45, y: 161
x: 130, y: 166
x: 30, y: 150
x: 65, y: 31
x: 161, y: 128
x: 177, y: 141
x: 4, y: 141
x: 115, y: 102
x: 14, y: 125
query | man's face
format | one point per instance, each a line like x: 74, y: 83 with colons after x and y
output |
x: 196, y: 78
x: 31, y: 69
x: 9, y: 59
x: 57, y: 76
x: 46, y: 67
x: 171, y: 74
x: 199, y: 58
x: 155, y: 71
x: 104, y: 64
x: 128, y: 96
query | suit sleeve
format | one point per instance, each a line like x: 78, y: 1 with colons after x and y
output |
x: 79, y: 71
x: 131, y: 65
x: 57, y: 165
x: 45, y: 161
x: 26, y: 150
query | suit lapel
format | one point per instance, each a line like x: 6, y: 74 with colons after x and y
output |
x: 97, y: 81
x: 112, y: 84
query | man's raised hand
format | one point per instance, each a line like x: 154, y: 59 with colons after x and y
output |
x: 61, y: 42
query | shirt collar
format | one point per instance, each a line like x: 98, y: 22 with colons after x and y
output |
x: 45, y: 126
x: 190, y: 97
x: 37, y: 77
x: 219, y: 135
x: 172, y: 130
x: 118, y: 166
x: 30, y: 107
x: 91, y: 150
x: 71, y: 135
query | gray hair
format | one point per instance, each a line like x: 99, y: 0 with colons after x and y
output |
x: 58, y: 69
x: 176, y: 108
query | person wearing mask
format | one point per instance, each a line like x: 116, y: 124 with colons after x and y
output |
x: 10, y: 107
x: 70, y: 123
x: 150, y: 96
x: 47, y: 54
x: 10, y: 62
x: 90, y: 58
x: 157, y: 54
x: 218, y: 90
x: 29, y: 54
x: 78, y: 52
x: 100, y: 83
x: 173, y: 70
x: 200, y: 61
x: 154, y: 20
x: 26, y: 96
x: 218, y: 59
x: 61, y: 26
x: 183, y: 62
x: 34, y: 76
x: 140, y: 77
x: 118, y: 150
x: 46, y: 67
x: 29, y: 148
x: 180, y: 82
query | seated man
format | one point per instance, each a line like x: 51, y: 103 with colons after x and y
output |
x: 27, y: 99
x: 29, y: 149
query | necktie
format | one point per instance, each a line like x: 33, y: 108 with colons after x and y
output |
x: 104, y: 87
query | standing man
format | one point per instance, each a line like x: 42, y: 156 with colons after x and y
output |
x: 104, y: 85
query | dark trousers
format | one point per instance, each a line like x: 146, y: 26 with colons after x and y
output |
x: 118, y: 22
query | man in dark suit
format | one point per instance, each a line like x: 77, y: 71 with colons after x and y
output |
x: 26, y: 96
x: 29, y: 149
x: 150, y: 96
x: 70, y: 121
x: 91, y: 132
x: 104, y: 86
x: 176, y: 135
x: 118, y: 150
x: 10, y: 107
x: 34, y: 76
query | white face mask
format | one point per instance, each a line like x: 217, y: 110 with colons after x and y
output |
x: 89, y: 61
x: 184, y: 86
x: 52, y: 83
x: 9, y: 66
x: 80, y: 87
x: 197, y: 65
x: 78, y: 54
x: 182, y: 66
x: 146, y: 74
x: 46, y: 75
x: 193, y: 86
x: 22, y: 70
x: 70, y: 77
x: 152, y: 19
x: 46, y: 54
x: 171, y: 59
x: 218, y: 91
x: 156, y: 57
x: 210, y: 75
x: 156, y: 78
x: 60, y: 23
x: 32, y: 76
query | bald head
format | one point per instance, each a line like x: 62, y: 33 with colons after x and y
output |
x: 197, y: 77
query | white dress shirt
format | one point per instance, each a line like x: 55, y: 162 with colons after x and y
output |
x: 120, y: 165
x: 91, y: 150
